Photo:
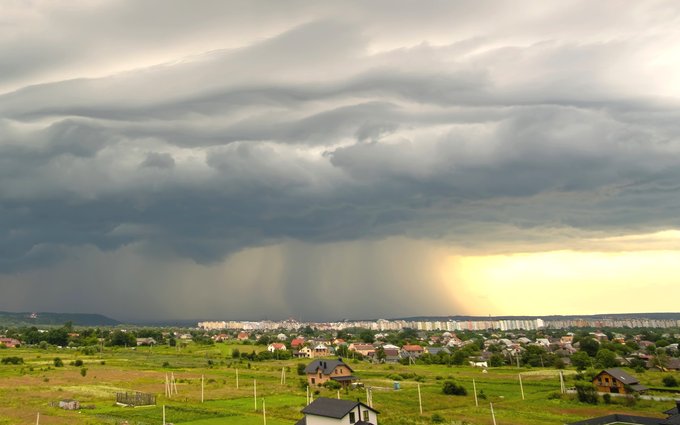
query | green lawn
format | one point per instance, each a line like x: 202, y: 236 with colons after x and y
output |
x: 30, y: 388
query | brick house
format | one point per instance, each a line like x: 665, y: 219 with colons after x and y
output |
x: 321, y: 371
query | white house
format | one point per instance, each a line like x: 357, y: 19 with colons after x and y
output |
x: 331, y: 411
x: 276, y: 346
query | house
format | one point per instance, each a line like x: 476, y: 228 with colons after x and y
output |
x: 220, y: 337
x: 242, y: 336
x: 617, y: 381
x: 330, y: 411
x: 276, y: 346
x: 672, y: 418
x: 320, y: 371
x: 413, y: 350
x: 146, y: 341
x: 281, y: 337
x: 69, y: 404
x: 297, y: 343
x: 363, y: 349
x: 304, y: 352
x: 391, y: 355
x: 10, y: 342
x: 321, y: 350
x: 433, y: 351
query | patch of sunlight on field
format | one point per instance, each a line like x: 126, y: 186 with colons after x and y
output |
x: 94, y: 390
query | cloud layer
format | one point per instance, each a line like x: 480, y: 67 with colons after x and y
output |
x: 199, y: 132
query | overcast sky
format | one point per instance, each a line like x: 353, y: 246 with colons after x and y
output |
x: 328, y: 160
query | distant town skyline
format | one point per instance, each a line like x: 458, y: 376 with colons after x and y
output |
x: 165, y: 160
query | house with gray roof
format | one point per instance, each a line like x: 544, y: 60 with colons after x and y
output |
x: 320, y: 371
x: 330, y: 411
x: 617, y: 381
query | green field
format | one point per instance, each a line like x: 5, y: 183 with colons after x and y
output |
x: 30, y: 388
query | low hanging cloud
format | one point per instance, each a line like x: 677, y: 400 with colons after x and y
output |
x: 196, y: 135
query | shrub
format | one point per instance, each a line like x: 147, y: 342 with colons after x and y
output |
x: 78, y: 363
x: 586, y: 392
x: 332, y: 385
x: 83, y: 372
x: 607, y: 398
x: 301, y: 368
x: 451, y: 388
x: 12, y: 360
x: 166, y: 364
x: 481, y: 395
x: 437, y: 418
x: 670, y: 381
x: 58, y: 362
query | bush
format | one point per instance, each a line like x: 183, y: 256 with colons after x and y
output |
x: 78, y: 363
x: 607, y: 398
x: 586, y: 392
x: 332, y: 385
x: 83, y: 372
x: 12, y: 360
x: 670, y: 381
x: 451, y: 388
x: 58, y: 362
x: 301, y: 369
x: 437, y: 418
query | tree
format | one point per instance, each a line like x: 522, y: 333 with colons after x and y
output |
x: 669, y: 381
x: 590, y: 346
x: 58, y: 362
x: 606, y: 358
x: 367, y: 336
x: 380, y: 354
x: 580, y: 360
x: 496, y: 360
x: 586, y: 392
x: 451, y: 388
x: 120, y: 338
x: 301, y: 369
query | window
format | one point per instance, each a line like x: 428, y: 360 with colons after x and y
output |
x: 352, y: 417
x: 366, y: 417
x: 313, y: 381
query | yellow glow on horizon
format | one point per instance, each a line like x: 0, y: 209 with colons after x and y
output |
x: 566, y: 282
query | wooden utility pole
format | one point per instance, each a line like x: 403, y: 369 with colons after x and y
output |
x: 420, y: 400
x: 37, y: 419
x: 237, y: 379
x: 255, y: 393
x: 521, y: 387
x: 164, y: 414
x: 264, y: 413
x: 202, y: 387
x: 493, y: 416
x: 474, y: 388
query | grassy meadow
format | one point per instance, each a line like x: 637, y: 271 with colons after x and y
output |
x: 30, y: 388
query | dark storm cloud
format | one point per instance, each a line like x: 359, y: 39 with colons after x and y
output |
x: 190, y: 132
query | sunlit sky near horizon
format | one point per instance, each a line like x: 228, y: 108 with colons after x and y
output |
x: 328, y: 160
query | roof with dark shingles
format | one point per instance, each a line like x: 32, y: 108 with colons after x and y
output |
x: 327, y: 366
x: 617, y: 418
x: 622, y: 376
x: 332, y: 408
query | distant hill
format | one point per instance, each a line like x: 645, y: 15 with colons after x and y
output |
x: 78, y: 319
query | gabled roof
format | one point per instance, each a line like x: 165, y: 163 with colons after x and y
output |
x: 618, y: 418
x: 621, y: 376
x: 333, y: 408
x: 327, y: 366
